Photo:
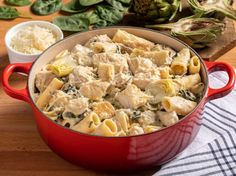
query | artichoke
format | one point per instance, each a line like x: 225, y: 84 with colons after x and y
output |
x: 196, y: 32
x: 213, y: 8
x: 156, y: 10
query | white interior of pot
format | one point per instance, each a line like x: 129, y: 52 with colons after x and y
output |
x: 80, y: 38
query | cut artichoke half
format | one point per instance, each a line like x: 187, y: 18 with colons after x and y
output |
x: 217, y: 7
x: 197, y: 32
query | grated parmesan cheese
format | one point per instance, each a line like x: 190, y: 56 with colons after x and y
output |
x: 33, y: 39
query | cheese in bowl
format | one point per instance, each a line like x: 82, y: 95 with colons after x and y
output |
x: 33, y: 39
x: 26, y: 41
x: 119, y: 86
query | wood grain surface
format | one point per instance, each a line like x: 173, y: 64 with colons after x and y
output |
x: 22, y: 151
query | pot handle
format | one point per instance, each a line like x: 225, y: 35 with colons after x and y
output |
x: 217, y: 66
x: 21, y: 94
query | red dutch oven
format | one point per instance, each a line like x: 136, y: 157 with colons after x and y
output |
x: 119, y: 153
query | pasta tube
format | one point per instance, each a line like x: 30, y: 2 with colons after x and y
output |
x: 122, y: 119
x: 178, y: 104
x: 180, y: 64
x: 44, y: 98
x: 187, y: 82
x: 88, y: 124
x: 194, y: 65
x: 131, y: 40
x: 104, y: 109
x: 107, y: 128
x: 151, y: 128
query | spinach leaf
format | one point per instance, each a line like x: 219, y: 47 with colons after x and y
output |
x: 73, y: 7
x: 18, y: 2
x: 115, y: 4
x: 125, y: 2
x: 46, y: 7
x: 9, y: 13
x: 90, y: 15
x: 89, y: 2
x: 70, y: 23
x: 187, y: 95
x: 108, y: 13
x: 100, y: 23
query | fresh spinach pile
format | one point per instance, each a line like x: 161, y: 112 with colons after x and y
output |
x: 81, y: 14
x: 10, y: 13
x: 46, y: 7
x: 99, y: 13
x: 18, y: 2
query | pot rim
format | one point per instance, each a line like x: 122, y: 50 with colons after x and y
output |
x: 125, y: 27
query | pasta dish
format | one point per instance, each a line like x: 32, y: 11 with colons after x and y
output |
x: 120, y: 86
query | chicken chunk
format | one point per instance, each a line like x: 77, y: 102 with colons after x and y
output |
x: 140, y: 64
x: 167, y: 118
x: 147, y: 118
x: 132, y: 97
x: 98, y: 38
x: 141, y: 80
x: 121, y: 79
x: 82, y: 54
x: 76, y: 106
x: 81, y: 75
x: 43, y: 79
x: 94, y: 90
x: 118, y: 60
x: 158, y: 57
x: 100, y: 47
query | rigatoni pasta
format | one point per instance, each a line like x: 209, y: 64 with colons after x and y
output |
x: 122, y: 86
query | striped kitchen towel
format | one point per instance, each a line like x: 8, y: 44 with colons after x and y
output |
x: 213, y: 152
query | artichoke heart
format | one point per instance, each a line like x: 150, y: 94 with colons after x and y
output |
x: 197, y: 32
x: 213, y: 8
x: 63, y: 66
x: 156, y: 10
x: 159, y: 89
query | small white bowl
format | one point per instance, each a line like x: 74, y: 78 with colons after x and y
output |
x: 18, y: 57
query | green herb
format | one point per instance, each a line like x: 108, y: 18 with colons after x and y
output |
x: 90, y: 124
x: 9, y: 13
x: 108, y: 13
x: 18, y: 2
x: 70, y: 115
x: 46, y: 7
x: 89, y: 2
x: 67, y: 125
x: 135, y: 115
x: 115, y: 4
x: 73, y: 7
x: 70, y: 23
x: 59, y: 116
x: 187, y: 95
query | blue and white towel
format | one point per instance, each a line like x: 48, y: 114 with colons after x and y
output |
x: 213, y: 152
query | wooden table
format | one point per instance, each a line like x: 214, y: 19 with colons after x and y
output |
x: 22, y: 151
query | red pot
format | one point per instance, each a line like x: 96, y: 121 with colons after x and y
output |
x: 125, y: 153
